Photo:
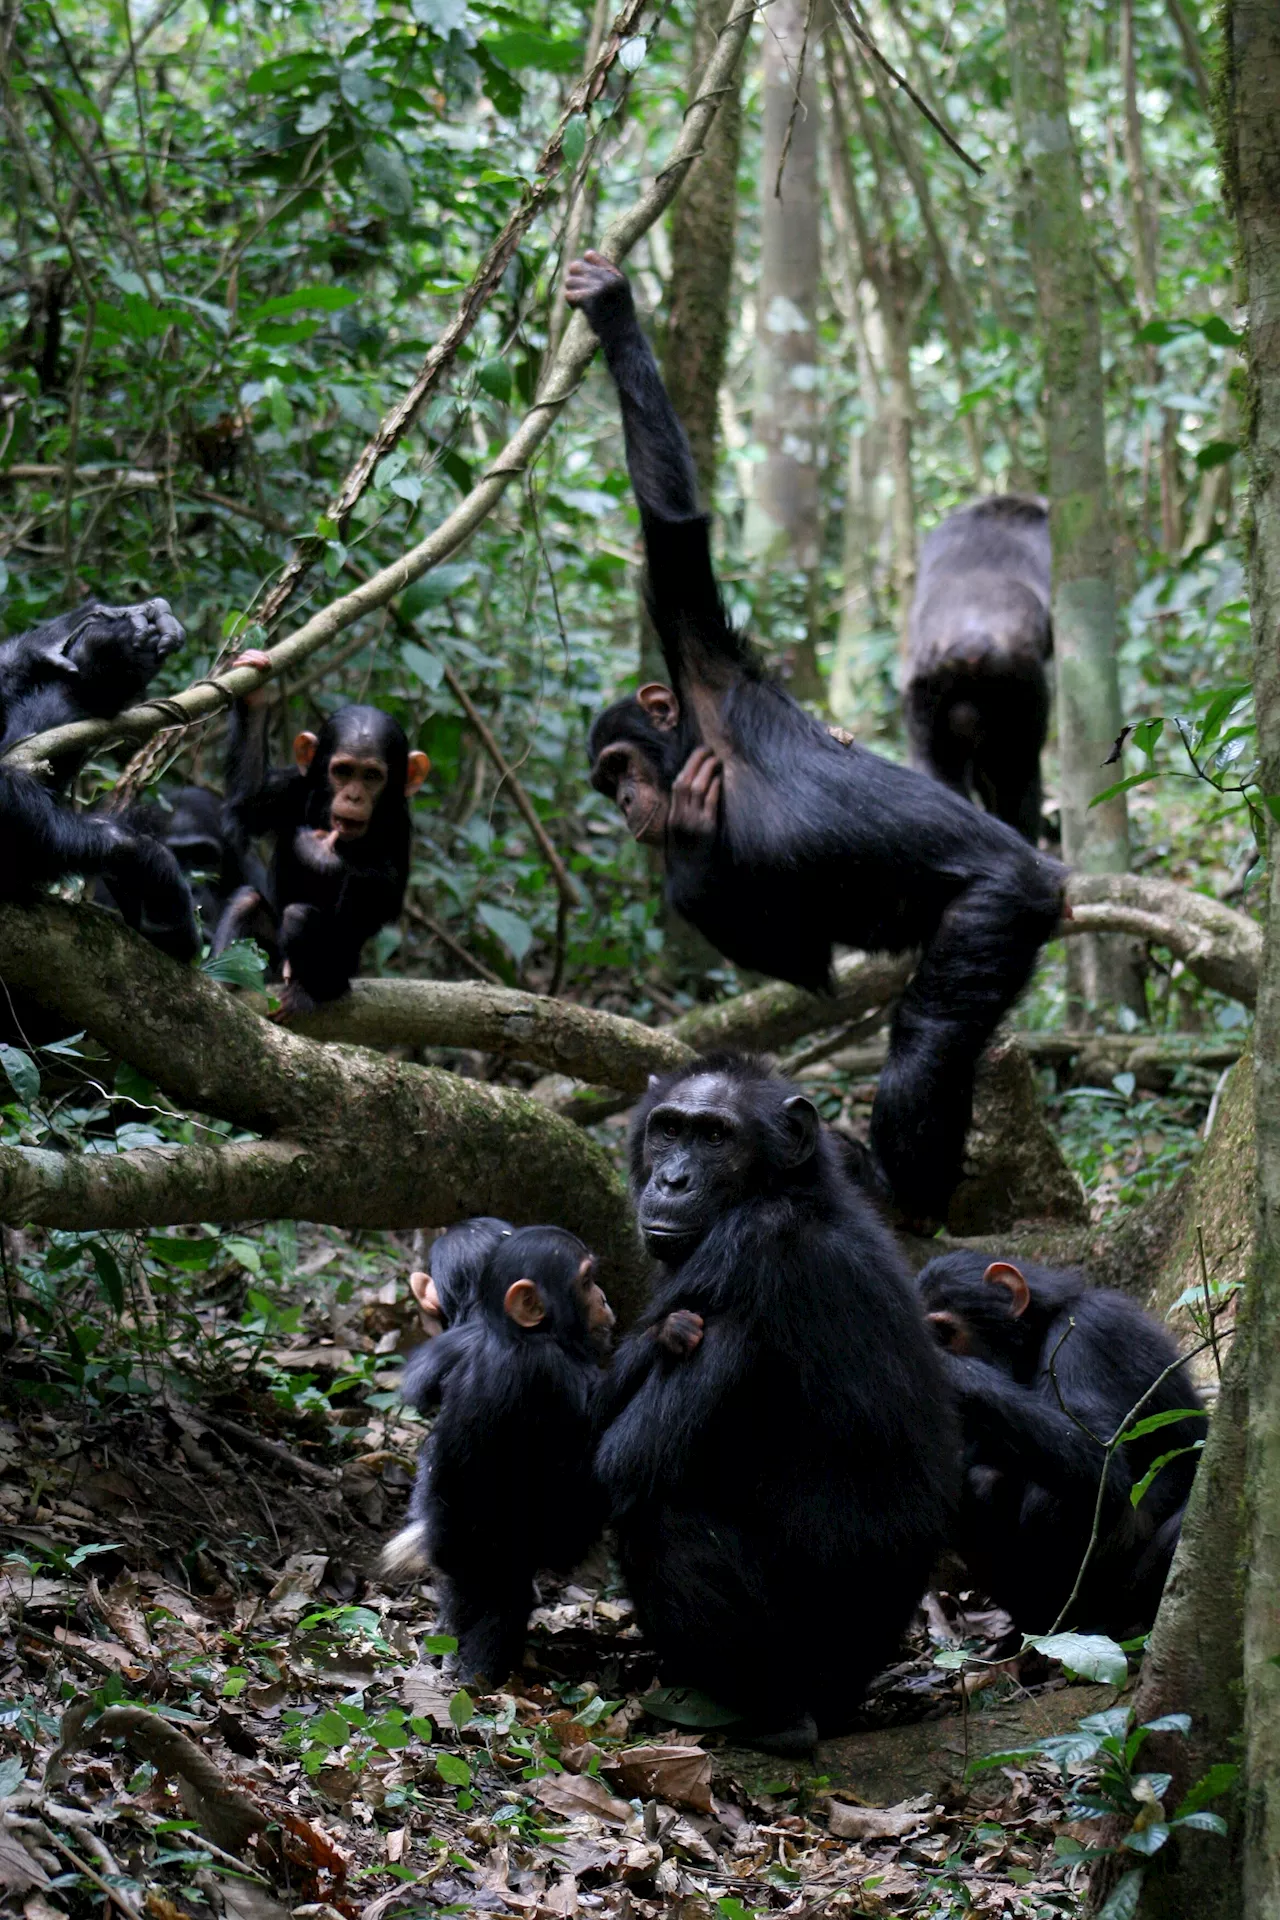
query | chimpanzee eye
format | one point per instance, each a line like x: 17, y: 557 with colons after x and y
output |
x: 715, y: 1136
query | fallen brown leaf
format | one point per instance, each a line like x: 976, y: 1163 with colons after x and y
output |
x: 879, y: 1823
x: 571, y: 1794
x: 679, y: 1775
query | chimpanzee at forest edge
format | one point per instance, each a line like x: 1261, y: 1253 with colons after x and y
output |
x: 1045, y: 1371
x: 189, y: 822
x: 87, y: 665
x: 448, y: 1292
x: 977, y: 693
x: 781, y: 1446
x: 504, y: 1483
x: 340, y: 818
x: 780, y: 842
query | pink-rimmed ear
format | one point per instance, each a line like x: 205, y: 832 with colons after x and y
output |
x: 304, y: 750
x: 1002, y: 1273
x: 660, y: 705
x: 523, y: 1304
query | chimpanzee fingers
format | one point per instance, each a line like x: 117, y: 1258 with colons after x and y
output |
x: 254, y: 657
x: 680, y: 1334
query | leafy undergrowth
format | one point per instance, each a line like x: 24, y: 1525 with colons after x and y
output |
x: 209, y: 1707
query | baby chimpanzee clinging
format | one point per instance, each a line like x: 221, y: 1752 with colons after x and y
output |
x: 504, y: 1482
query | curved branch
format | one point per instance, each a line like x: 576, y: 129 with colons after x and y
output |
x: 574, y: 356
x: 1221, y: 947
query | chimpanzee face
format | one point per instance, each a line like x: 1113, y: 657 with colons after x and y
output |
x: 706, y: 1148
x: 637, y: 791
x: 598, y: 1316
x: 358, y: 769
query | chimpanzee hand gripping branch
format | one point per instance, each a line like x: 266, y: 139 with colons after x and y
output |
x: 781, y: 843
x: 340, y: 818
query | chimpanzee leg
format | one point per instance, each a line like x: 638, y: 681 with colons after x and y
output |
x: 319, y: 957
x: 246, y: 916
x: 972, y: 971
x: 489, y: 1614
x: 46, y: 841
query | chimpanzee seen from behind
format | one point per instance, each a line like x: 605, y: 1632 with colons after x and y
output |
x: 505, y: 1482
x: 977, y: 694
x: 781, y: 843
x: 340, y: 818
x: 87, y: 665
x: 1046, y: 1371
x: 781, y: 1457
x: 447, y: 1293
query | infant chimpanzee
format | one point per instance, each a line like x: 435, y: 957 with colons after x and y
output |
x: 505, y: 1482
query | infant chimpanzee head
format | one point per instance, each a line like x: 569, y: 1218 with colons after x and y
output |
x: 540, y: 1283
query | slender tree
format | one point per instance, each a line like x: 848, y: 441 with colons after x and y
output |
x: 784, y: 521
x: 1084, y: 598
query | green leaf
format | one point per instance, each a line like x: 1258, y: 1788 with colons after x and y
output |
x: 109, y: 1276
x: 13, y: 1772
x: 632, y: 52
x: 439, y: 1643
x: 515, y: 934
x: 435, y: 588
x: 526, y: 48
x: 194, y: 1254
x: 686, y: 1707
x: 1136, y: 1493
x: 1123, y: 786
x: 1123, y: 1902
x: 1147, y: 1840
x: 21, y: 1072
x: 423, y: 665
x: 442, y: 16
x: 389, y: 178
x: 242, y: 964
x: 573, y: 141
x: 1154, y: 1421
x: 462, y: 1709
x: 453, y: 1771
x: 1090, y: 1655
x: 1146, y: 733
x: 1215, y: 329
x: 1204, y: 1821
x: 495, y: 377
x: 1219, y: 1779
x: 1170, y: 1723
x: 1216, y: 454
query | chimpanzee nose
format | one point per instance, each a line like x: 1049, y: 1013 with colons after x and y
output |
x: 673, y: 1179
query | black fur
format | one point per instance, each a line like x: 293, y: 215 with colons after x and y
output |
x: 86, y: 665
x: 504, y: 1483
x: 188, y: 821
x: 977, y: 694
x: 779, y: 1494
x: 456, y: 1263
x: 1039, y: 1397
x: 820, y: 844
x: 316, y: 922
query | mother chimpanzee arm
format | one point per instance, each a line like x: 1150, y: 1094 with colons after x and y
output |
x: 429, y: 1366
x: 1015, y: 1427
x: 254, y: 789
x: 698, y: 640
x: 671, y: 1401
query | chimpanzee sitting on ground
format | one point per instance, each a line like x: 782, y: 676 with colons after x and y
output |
x: 189, y: 823
x: 340, y: 818
x: 86, y: 665
x: 1045, y: 1372
x: 447, y: 1294
x: 781, y: 1456
x: 977, y: 695
x: 780, y: 843
x: 504, y: 1483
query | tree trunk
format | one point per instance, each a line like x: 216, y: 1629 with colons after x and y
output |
x: 1251, y: 164
x: 784, y: 524
x: 1145, y: 221
x: 1084, y: 602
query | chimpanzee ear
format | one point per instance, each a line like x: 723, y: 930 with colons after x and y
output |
x: 423, y: 1289
x: 803, y: 1126
x: 949, y: 1330
x: 1002, y: 1274
x: 660, y: 705
x: 419, y: 768
x: 653, y: 1083
x: 304, y: 750
x: 523, y: 1304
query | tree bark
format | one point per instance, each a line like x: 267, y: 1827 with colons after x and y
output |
x: 1084, y: 611
x: 353, y: 1139
x: 784, y: 515
x: 1251, y: 166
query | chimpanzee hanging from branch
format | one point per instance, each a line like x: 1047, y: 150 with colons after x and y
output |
x: 781, y: 843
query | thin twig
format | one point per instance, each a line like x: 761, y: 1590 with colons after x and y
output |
x: 455, y: 947
x: 864, y: 40
x: 272, y: 1450
x: 795, y: 100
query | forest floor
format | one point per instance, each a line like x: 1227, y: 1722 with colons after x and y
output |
x: 210, y: 1706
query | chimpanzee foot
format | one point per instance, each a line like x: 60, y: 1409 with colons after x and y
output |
x: 794, y: 1742
x: 294, y: 1000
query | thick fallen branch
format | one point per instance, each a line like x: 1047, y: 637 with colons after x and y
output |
x: 1221, y: 947
x: 574, y: 356
x: 354, y: 1139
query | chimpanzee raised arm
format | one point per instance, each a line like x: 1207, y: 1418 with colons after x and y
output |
x: 340, y: 818
x: 87, y: 664
x: 782, y: 843
x: 1046, y: 1371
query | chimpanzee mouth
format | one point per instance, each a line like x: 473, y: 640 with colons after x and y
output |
x: 670, y: 1244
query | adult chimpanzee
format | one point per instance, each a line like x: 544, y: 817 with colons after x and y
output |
x: 504, y: 1483
x: 1045, y: 1372
x: 780, y: 842
x: 447, y: 1294
x: 781, y: 1456
x: 340, y: 818
x: 189, y: 822
x: 87, y: 665
x: 977, y: 694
